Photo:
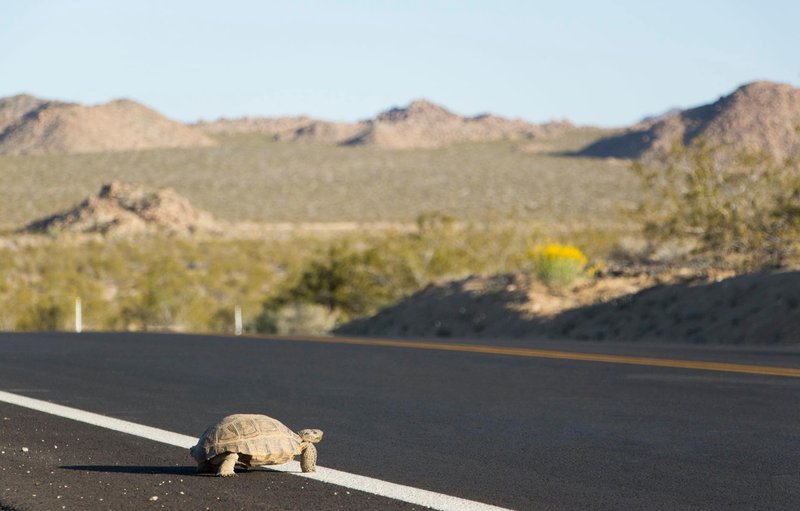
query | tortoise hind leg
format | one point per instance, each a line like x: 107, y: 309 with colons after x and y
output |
x: 228, y: 462
x: 205, y: 467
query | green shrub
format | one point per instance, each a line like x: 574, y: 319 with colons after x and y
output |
x: 221, y: 321
x: 349, y: 282
x: 45, y: 316
x: 159, y: 296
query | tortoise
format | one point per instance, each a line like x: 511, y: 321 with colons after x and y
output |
x: 253, y: 440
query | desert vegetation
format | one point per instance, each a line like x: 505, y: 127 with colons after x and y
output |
x: 742, y: 213
x: 284, y: 283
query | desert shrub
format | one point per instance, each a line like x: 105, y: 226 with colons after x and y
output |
x: 442, y: 249
x: 159, y: 294
x: 348, y: 281
x: 558, y: 265
x: 266, y: 321
x: 743, y: 212
x: 221, y: 321
x: 297, y: 319
x: 434, y: 221
x: 47, y: 315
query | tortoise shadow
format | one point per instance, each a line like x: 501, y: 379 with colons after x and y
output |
x: 160, y: 470
x: 135, y: 469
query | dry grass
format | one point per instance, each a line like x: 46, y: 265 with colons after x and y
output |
x: 249, y: 177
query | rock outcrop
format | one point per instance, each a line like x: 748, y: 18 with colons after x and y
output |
x: 121, y: 208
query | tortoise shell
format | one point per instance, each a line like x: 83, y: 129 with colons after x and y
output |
x: 259, y: 440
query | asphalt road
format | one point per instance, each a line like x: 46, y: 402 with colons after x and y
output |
x: 517, y: 432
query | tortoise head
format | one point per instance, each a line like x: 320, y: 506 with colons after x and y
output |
x: 310, y: 435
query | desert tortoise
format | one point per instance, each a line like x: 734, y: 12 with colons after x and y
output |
x: 253, y: 440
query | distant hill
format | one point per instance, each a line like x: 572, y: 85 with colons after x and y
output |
x: 421, y: 124
x: 122, y: 208
x: 424, y: 124
x: 285, y: 129
x: 757, y: 116
x: 30, y: 125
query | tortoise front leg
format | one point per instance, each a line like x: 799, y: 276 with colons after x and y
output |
x: 308, y: 458
x: 228, y: 462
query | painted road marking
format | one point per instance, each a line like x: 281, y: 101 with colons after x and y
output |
x: 327, y: 475
x: 789, y: 372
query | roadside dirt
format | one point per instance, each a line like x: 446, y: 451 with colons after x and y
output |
x: 673, y: 306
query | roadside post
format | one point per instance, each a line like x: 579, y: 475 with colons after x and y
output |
x: 237, y: 320
x: 78, y: 316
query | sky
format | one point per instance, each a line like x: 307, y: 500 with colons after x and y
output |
x: 600, y: 63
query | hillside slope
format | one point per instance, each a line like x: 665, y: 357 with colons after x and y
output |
x: 285, y: 129
x: 33, y: 126
x: 757, y: 116
x: 760, y: 308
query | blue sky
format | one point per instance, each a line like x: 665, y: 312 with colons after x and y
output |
x: 603, y: 63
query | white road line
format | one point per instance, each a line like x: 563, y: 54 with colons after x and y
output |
x: 328, y: 475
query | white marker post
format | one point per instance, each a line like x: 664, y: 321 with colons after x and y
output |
x: 78, y: 316
x: 237, y: 320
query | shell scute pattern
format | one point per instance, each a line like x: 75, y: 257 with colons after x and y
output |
x: 267, y: 440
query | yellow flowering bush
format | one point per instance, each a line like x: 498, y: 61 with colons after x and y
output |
x: 558, y: 265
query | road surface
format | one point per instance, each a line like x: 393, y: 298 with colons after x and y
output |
x: 519, y: 431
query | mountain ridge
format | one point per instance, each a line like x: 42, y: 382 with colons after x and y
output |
x: 757, y: 116
x: 420, y: 124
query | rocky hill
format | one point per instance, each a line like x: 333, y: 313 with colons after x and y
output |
x: 757, y: 116
x: 421, y: 124
x: 29, y: 125
x: 121, y: 208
